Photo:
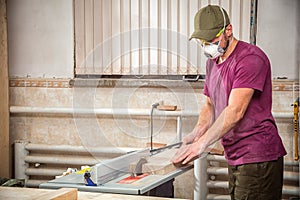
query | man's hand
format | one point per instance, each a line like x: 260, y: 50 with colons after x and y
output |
x: 188, y: 153
x: 194, y: 135
x: 188, y: 139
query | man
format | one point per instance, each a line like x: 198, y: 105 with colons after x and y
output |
x: 238, y: 87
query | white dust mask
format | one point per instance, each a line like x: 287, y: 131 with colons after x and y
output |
x: 212, y: 50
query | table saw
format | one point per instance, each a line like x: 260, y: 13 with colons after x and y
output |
x: 128, y: 174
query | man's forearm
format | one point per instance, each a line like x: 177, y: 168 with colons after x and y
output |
x: 230, y: 116
x: 223, y: 124
x: 205, y: 120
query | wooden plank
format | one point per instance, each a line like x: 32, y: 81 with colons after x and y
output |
x: 161, y: 163
x: 4, y: 100
x: 158, y: 164
x: 60, y: 194
x: 156, y: 144
x: 12, y: 193
x: 167, y: 107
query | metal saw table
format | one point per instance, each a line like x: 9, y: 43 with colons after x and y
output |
x: 109, y: 175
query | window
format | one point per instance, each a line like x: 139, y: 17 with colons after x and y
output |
x: 145, y: 37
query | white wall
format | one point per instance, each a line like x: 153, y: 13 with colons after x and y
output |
x: 278, y: 33
x: 40, y: 38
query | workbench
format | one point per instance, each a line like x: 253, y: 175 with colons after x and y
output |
x: 12, y: 193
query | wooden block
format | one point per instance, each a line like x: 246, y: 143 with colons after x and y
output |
x: 158, y: 167
x: 156, y: 144
x: 60, y: 194
x: 13, y: 193
x: 216, y: 149
x: 167, y: 107
x: 158, y: 164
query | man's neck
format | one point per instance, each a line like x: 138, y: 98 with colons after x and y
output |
x: 232, y: 44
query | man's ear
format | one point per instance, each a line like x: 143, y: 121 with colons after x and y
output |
x: 228, y: 30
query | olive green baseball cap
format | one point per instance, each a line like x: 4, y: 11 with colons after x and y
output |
x: 208, y: 22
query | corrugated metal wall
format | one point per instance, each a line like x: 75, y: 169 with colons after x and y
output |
x: 145, y: 37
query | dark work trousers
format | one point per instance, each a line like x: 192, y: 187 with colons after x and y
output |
x: 256, y: 181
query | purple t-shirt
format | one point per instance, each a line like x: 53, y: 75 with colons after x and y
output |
x: 255, y: 138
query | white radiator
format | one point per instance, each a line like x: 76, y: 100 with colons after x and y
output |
x: 38, y: 163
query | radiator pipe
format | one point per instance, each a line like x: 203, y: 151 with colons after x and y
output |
x: 44, y: 171
x: 291, y: 176
x: 62, y: 160
x: 78, y: 149
x: 200, y: 176
x: 179, y: 129
x: 286, y: 190
x: 20, y: 164
x: 97, y: 111
x: 35, y: 183
x: 110, y: 111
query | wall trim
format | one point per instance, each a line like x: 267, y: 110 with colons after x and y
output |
x: 278, y: 85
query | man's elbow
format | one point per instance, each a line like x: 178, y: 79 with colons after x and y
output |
x: 236, y: 114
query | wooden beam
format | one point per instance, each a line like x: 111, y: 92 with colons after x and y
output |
x: 156, y: 164
x: 4, y: 96
x: 12, y: 193
x: 60, y: 194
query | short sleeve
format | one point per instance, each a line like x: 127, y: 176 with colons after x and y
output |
x: 205, y: 90
x: 251, y: 72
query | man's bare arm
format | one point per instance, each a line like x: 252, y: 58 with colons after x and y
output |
x: 204, y: 122
x: 239, y: 100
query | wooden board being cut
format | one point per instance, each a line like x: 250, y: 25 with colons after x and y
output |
x: 158, y: 164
